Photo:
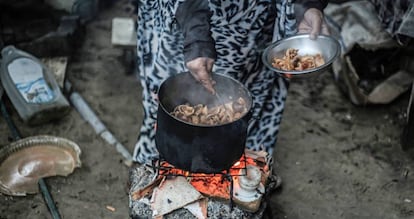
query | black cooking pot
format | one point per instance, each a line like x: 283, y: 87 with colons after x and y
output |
x: 200, y: 148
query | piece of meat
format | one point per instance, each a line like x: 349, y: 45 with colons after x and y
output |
x: 293, y: 61
x: 202, y: 115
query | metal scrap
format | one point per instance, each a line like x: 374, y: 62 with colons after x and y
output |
x: 24, y: 162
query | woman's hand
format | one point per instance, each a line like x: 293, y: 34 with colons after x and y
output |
x: 201, y: 68
x: 313, y: 23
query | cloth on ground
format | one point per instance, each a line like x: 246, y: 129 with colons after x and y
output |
x: 373, y: 67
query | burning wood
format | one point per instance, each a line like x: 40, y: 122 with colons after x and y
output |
x: 198, y: 209
x: 146, y: 184
x: 138, y: 194
x: 180, y: 189
x: 216, y: 185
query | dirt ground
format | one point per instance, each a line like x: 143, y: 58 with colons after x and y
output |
x: 336, y: 160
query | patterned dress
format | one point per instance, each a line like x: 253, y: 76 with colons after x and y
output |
x: 241, y: 30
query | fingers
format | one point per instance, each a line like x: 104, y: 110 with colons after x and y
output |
x: 316, y: 29
x: 313, y: 23
x: 210, y: 63
x: 203, y: 76
x: 206, y: 81
x: 208, y: 84
x: 315, y: 20
x: 304, y: 27
x: 325, y: 29
x: 201, y: 69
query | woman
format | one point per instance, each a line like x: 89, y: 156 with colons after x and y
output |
x: 226, y: 37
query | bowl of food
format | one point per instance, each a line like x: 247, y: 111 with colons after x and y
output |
x: 300, y: 56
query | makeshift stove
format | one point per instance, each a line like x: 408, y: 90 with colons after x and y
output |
x: 162, y: 191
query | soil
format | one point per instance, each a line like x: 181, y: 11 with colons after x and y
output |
x: 336, y: 160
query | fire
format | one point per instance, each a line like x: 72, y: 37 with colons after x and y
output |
x: 214, y: 185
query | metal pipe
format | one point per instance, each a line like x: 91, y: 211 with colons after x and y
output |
x: 90, y: 116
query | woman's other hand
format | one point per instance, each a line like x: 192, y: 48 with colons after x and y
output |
x: 201, y: 68
x: 313, y: 23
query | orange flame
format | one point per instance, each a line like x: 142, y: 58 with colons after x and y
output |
x: 214, y: 185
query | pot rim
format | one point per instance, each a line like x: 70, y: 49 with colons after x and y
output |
x: 248, y: 95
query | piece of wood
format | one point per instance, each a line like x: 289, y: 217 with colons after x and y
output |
x: 57, y: 66
x: 123, y: 32
x: 198, y: 209
x: 140, y: 193
x: 173, y: 194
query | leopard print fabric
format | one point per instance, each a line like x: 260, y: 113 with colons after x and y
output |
x: 241, y: 29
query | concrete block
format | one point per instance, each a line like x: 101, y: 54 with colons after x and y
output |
x: 123, y: 32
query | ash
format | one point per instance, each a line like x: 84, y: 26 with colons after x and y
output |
x: 141, y: 176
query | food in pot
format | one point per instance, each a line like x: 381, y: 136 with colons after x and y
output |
x: 202, y: 115
x: 293, y: 61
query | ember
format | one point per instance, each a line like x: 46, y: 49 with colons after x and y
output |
x: 214, y: 185
x: 234, y: 193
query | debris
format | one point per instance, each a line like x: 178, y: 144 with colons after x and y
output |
x: 60, y: 42
x: 124, y: 35
x: 57, y: 66
x: 24, y: 162
x: 110, y: 208
x: 198, y: 209
x: 140, y: 186
x: 31, y: 87
x: 47, y: 197
x: 123, y: 32
x: 217, y: 208
x: 169, y: 196
x: 138, y: 194
x: 391, y: 88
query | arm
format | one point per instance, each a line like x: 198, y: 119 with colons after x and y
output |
x: 193, y: 18
x: 309, y: 14
x: 301, y: 6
